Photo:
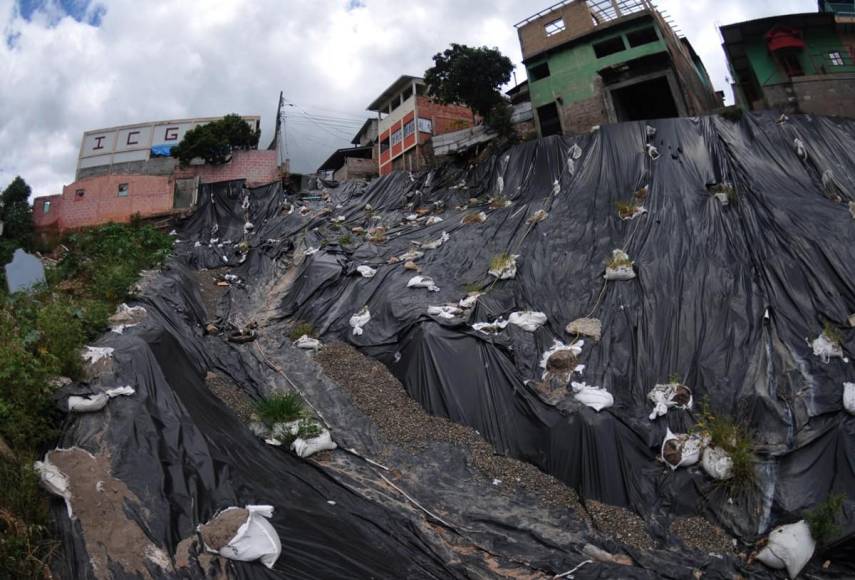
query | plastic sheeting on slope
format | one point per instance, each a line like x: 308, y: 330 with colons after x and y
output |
x: 707, y: 276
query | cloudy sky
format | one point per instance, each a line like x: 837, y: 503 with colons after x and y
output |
x: 67, y: 66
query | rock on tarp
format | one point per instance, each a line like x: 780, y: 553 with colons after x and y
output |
x: 24, y: 272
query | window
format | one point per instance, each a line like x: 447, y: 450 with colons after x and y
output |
x: 642, y: 37
x: 123, y: 190
x: 396, y: 137
x: 384, y: 145
x: 554, y: 27
x: 78, y: 194
x: 791, y: 64
x: 609, y: 46
x: 425, y: 126
x: 408, y: 92
x: 836, y: 59
x: 409, y: 128
x: 539, y: 71
x: 46, y: 207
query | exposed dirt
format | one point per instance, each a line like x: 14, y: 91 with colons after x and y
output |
x: 210, y: 292
x: 98, y: 501
x: 231, y: 394
x: 620, y: 524
x: 698, y: 533
x: 190, y: 554
x: 221, y: 529
x: 402, y: 421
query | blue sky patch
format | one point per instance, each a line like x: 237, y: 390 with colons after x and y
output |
x: 80, y: 10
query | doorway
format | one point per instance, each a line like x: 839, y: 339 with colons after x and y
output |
x: 550, y: 122
x: 651, y: 99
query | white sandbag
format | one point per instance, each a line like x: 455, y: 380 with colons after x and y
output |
x: 652, y: 152
x: 308, y: 447
x: 722, y: 198
x: 849, y: 397
x: 434, y: 219
x: 93, y: 354
x: 126, y: 317
x: 595, y: 397
x: 54, y: 481
x: 423, y: 282
x: 410, y: 256
x: 717, y: 463
x: 507, y: 271
x: 96, y: 401
x: 790, y: 546
x: 283, y: 432
x: 494, y: 327
x: 556, y: 187
x: 366, y: 271
x: 447, y: 312
x: 469, y: 301
x: 585, y: 327
x: 256, y: 539
x: 681, y: 450
x: 667, y: 396
x: 620, y: 267
x: 306, y: 342
x: 575, y: 349
x: 360, y: 319
x: 434, y: 244
x: 527, y: 319
x: 801, y: 151
x: 826, y: 349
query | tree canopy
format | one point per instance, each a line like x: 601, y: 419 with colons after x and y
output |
x: 214, y: 141
x: 472, y: 76
x: 16, y: 213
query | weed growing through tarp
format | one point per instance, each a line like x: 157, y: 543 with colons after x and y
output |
x: 345, y: 240
x: 626, y: 209
x: 734, y: 438
x: 832, y: 333
x: 619, y: 260
x: 501, y: 262
x: 822, y: 518
x: 280, y: 409
x: 302, y: 329
x: 723, y: 189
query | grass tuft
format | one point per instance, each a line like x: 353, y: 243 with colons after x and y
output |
x: 472, y: 287
x: 726, y: 434
x: 822, y: 518
x: 300, y: 329
x: 472, y: 218
x: 345, y: 240
x: 832, y: 333
x: 501, y: 262
x: 619, y: 260
x: 626, y: 209
x: 280, y: 409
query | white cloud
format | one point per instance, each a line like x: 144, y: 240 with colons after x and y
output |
x: 156, y: 60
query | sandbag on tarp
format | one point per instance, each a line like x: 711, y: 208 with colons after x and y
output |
x: 727, y: 297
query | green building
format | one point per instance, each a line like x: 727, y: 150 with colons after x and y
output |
x: 796, y: 62
x: 598, y: 61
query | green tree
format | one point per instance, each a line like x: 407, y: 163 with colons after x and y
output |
x: 472, y: 76
x: 16, y: 213
x: 214, y: 141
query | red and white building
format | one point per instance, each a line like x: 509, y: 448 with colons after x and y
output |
x: 126, y: 171
x: 408, y: 119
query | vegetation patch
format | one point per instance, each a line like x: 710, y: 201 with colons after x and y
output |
x: 734, y: 438
x: 626, y: 209
x: 280, y: 409
x: 823, y: 519
x: 42, y: 333
x: 473, y: 218
x: 832, y: 333
x: 472, y: 287
x: 501, y: 262
x: 619, y: 259
x: 345, y: 240
x: 302, y: 329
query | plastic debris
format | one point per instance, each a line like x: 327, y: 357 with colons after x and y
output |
x: 717, y: 463
x: 652, y: 152
x: 254, y: 539
x: 434, y: 244
x: 93, y: 354
x: 681, y: 450
x: 306, y: 342
x: 849, y: 397
x: 308, y: 447
x: 506, y: 269
x: 597, y: 398
x: 494, y: 327
x: 826, y: 349
x: 360, y: 319
x: 423, y: 282
x: 585, y: 327
x: 96, y: 401
x: 620, y: 267
x: 790, y: 546
x: 667, y: 396
x: 54, y: 481
x: 366, y: 271
x: 447, y: 312
x: 527, y: 320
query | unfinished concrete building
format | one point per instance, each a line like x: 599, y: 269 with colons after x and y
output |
x: 599, y: 61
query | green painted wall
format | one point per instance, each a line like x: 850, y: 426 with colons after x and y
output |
x: 815, y: 55
x: 574, y: 70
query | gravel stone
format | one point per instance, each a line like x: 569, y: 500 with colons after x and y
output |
x: 402, y: 421
x: 620, y: 524
x: 231, y: 394
x: 699, y: 534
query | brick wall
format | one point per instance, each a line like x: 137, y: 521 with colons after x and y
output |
x: 355, y: 167
x: 577, y: 21
x: 832, y: 95
x: 445, y: 118
x: 258, y: 167
x: 49, y: 219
